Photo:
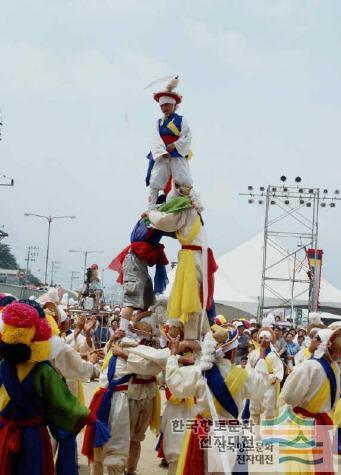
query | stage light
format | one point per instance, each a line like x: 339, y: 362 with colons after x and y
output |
x: 286, y: 202
x: 298, y: 179
x: 283, y: 178
x: 325, y: 191
x: 274, y: 188
x: 251, y: 201
x: 301, y: 202
x: 285, y: 189
x: 311, y: 191
x: 337, y: 192
x: 332, y: 204
x: 261, y: 188
x: 250, y: 188
x: 301, y: 190
x: 308, y: 204
x: 260, y: 202
x: 323, y: 204
x: 272, y: 202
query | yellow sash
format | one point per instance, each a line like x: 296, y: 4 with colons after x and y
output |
x: 171, y: 126
x: 81, y: 395
x: 306, y: 353
x: 337, y: 413
x: 23, y: 370
x: 235, y: 381
x: 314, y: 405
x: 319, y: 399
x: 184, y: 449
x: 177, y: 400
x: 106, y: 361
x: 154, y: 423
x: 185, y: 296
x: 268, y: 363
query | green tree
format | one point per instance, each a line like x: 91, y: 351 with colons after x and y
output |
x: 7, y: 259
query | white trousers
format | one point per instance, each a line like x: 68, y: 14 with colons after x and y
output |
x: 267, y: 407
x: 114, y: 453
x: 163, y: 168
x: 172, y: 440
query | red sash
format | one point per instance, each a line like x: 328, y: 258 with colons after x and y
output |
x: 167, y: 139
x: 89, y: 435
x: 10, y: 443
x: 321, y: 419
x: 195, y: 456
x: 153, y: 254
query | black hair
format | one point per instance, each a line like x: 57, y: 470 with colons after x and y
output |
x: 34, y: 304
x: 88, y: 275
x: 15, y: 354
x: 7, y: 300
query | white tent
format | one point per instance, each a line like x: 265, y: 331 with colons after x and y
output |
x: 238, y: 279
x: 243, y: 267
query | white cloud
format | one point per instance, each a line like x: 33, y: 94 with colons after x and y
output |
x: 231, y: 46
x: 236, y: 50
x: 30, y: 69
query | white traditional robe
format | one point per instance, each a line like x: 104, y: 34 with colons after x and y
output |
x: 304, y: 382
x: 72, y: 367
x: 308, y: 387
x: 144, y: 362
x: 188, y: 381
x: 78, y: 345
x: 302, y: 355
x: 183, y: 222
x: 79, y: 342
x: 268, y: 405
x: 163, y: 168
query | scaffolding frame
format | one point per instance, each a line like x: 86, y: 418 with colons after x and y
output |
x: 291, y: 216
x: 277, y: 198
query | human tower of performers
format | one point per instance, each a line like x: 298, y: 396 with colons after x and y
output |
x: 181, y: 340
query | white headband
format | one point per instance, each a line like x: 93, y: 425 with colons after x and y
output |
x: 265, y: 334
x: 166, y: 100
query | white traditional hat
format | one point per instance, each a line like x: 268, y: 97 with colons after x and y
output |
x: 169, y: 96
x: 324, y: 334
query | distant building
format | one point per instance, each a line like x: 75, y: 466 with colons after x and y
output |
x: 9, y: 276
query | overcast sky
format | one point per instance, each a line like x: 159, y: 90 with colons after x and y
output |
x: 261, y: 87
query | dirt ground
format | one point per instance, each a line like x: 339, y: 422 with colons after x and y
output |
x: 149, y: 463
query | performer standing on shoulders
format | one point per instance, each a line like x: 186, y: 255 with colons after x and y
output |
x: 170, y: 150
x: 132, y: 265
x: 193, y: 287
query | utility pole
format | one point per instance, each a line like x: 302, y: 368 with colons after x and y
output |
x: 49, y: 220
x: 55, y: 266
x: 32, y: 253
x: 74, y: 276
x: 86, y: 252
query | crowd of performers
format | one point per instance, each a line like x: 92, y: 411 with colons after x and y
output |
x: 210, y: 369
